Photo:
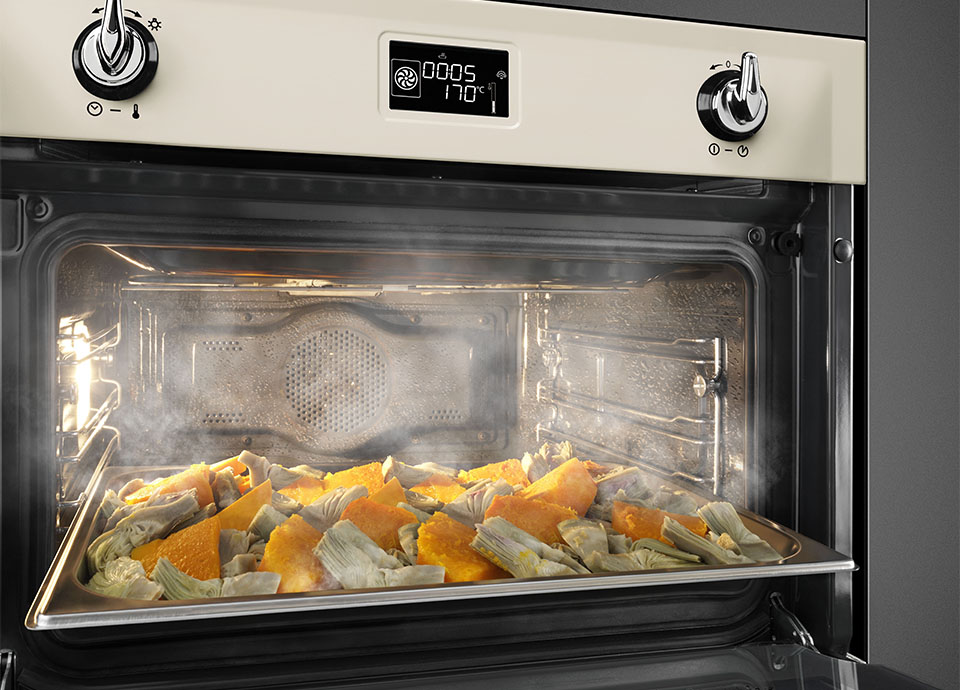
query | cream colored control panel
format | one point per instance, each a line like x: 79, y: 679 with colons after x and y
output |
x: 453, y: 80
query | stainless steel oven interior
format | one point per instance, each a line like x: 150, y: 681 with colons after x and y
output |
x: 696, y: 329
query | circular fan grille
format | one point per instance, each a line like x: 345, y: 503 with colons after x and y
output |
x: 336, y: 380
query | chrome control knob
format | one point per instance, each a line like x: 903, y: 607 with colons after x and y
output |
x: 732, y: 105
x: 115, y: 58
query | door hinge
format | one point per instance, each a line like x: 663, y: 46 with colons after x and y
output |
x: 8, y: 669
x: 786, y: 626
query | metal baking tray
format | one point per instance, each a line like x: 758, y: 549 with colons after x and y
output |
x: 63, y: 602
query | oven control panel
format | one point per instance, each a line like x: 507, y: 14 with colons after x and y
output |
x: 452, y: 80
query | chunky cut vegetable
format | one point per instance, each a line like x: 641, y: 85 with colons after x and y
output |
x: 638, y: 522
x: 539, y: 518
x: 192, y: 478
x: 238, y: 514
x: 290, y: 554
x: 370, y: 476
x: 568, y: 485
x: 390, y: 495
x: 305, y: 490
x: 378, y: 521
x: 233, y: 463
x: 440, y: 487
x: 444, y: 541
x: 195, y: 550
x: 510, y: 470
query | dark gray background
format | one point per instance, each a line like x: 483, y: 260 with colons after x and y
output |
x: 912, y: 261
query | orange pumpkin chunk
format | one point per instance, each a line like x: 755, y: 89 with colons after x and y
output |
x: 233, y: 463
x: 391, y: 494
x: 238, y: 514
x: 243, y: 483
x: 638, y: 522
x: 370, y: 476
x: 290, y: 554
x: 510, y: 470
x: 377, y: 521
x: 539, y: 518
x: 193, y: 478
x: 306, y: 490
x: 195, y: 550
x: 440, y: 487
x: 446, y: 542
x: 568, y: 485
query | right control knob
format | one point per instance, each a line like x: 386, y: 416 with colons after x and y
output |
x: 732, y: 105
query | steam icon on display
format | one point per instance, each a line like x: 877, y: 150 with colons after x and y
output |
x: 501, y: 75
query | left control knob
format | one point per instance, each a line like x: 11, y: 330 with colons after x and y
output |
x: 115, y: 58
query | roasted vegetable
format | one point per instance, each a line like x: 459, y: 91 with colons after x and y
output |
x: 391, y: 494
x: 568, y: 485
x: 638, y: 522
x: 410, y: 475
x: 471, y: 506
x: 660, y: 547
x: 538, y: 518
x: 289, y: 553
x: 723, y: 518
x: 440, y: 487
x: 445, y: 542
x: 233, y: 464
x: 178, y: 585
x: 250, y: 584
x: 232, y: 543
x: 514, y: 557
x: 370, y: 476
x: 258, y: 466
x: 686, y: 540
x: 326, y: 510
x: 182, y: 481
x: 194, y: 550
x: 238, y: 514
x: 508, y: 470
x: 239, y: 564
x: 124, y: 578
x: 527, y: 540
x: 584, y: 536
x: 379, y: 522
x: 305, y: 490
x: 284, y: 504
x: 225, y: 489
x: 265, y: 521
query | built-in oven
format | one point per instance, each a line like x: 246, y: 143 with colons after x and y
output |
x: 458, y: 342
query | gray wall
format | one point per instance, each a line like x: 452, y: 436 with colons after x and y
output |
x: 913, y: 335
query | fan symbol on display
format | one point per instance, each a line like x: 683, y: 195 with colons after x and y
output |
x: 501, y: 75
x: 153, y: 24
x: 406, y: 78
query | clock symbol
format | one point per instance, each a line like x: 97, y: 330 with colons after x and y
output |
x: 406, y: 78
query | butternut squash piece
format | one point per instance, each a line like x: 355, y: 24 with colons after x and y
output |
x: 306, y: 490
x: 290, y: 554
x: 238, y: 514
x: 568, y: 485
x: 391, y: 494
x: 638, y: 522
x: 440, y: 487
x: 510, y: 470
x: 195, y: 550
x: 243, y: 483
x: 444, y: 541
x: 370, y: 476
x: 539, y: 518
x: 377, y: 521
x: 192, y: 478
x: 233, y: 463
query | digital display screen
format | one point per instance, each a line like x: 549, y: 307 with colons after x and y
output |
x: 434, y: 78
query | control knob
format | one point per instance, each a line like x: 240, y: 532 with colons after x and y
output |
x: 115, y: 58
x: 732, y: 105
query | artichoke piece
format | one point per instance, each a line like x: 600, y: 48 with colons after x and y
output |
x: 417, y: 513
x: 665, y: 549
x: 352, y: 557
x: 326, y: 510
x: 722, y: 518
x: 686, y: 540
x: 536, y: 466
x: 408, y: 538
x: 284, y: 504
x: 426, y: 504
x: 411, y: 575
x: 265, y: 521
x: 138, y: 528
x: 471, y: 506
x: 404, y: 559
x: 584, y: 536
x: 550, y: 456
x: 250, y: 584
x: 205, y: 512
x: 225, y: 490
x: 131, y: 486
x: 724, y: 541
x: 604, y: 510
x: 238, y: 565
x: 629, y: 480
x: 411, y: 475
x: 126, y: 579
x: 517, y: 559
x: 648, y: 559
x: 281, y: 477
x: 257, y: 548
x: 611, y: 562
x: 616, y: 542
x: 258, y: 466
x: 527, y: 540
x: 232, y: 543
x: 178, y: 585
x: 155, y: 500
x: 110, y: 504
x: 307, y: 471
x: 679, y: 502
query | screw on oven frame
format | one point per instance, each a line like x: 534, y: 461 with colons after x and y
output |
x: 247, y: 317
x: 38, y: 208
x: 246, y: 441
x: 484, y: 436
x: 756, y: 235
